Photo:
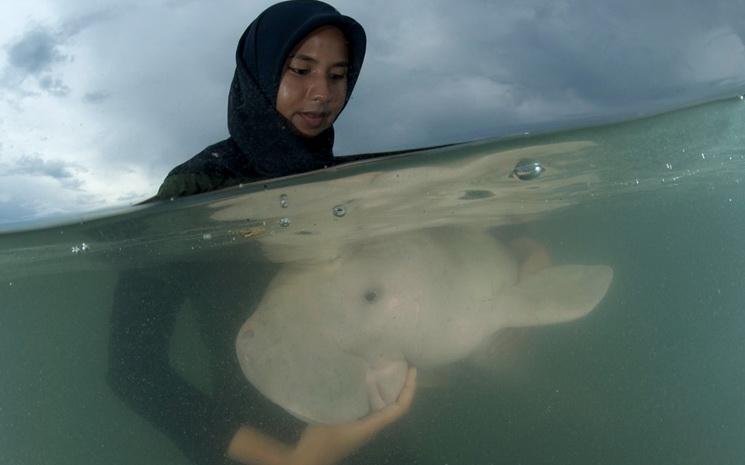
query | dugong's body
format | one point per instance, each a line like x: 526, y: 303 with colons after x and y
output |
x: 330, y: 341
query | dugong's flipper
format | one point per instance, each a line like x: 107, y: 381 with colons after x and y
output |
x: 555, y: 294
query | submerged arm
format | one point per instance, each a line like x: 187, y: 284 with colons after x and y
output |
x: 140, y: 372
x: 321, y: 444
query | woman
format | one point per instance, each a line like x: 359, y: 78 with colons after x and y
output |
x: 297, y: 64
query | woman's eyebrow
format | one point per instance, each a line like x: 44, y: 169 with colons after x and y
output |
x: 302, y: 57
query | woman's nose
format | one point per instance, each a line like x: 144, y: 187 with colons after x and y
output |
x: 320, y: 90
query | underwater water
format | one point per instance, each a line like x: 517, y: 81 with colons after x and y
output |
x: 654, y: 374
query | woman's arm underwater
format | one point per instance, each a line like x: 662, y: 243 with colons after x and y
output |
x: 320, y: 444
x: 140, y: 373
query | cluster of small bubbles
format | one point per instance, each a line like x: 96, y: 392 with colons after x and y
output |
x: 339, y: 211
x: 284, y: 222
x: 83, y: 247
x: 206, y: 236
x: 283, y: 202
x: 669, y: 166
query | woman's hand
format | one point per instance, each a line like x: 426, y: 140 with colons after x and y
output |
x: 320, y: 444
x: 328, y: 444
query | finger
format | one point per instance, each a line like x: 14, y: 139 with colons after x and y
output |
x: 382, y: 418
x: 373, y: 393
x: 407, y: 392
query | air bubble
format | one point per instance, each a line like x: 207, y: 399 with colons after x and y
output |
x: 527, y: 169
x: 339, y: 211
x: 76, y: 249
x: 283, y: 201
x: 284, y: 222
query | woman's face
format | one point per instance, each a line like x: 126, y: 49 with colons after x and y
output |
x: 313, y: 86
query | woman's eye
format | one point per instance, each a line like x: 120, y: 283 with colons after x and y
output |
x: 300, y: 71
x: 336, y: 77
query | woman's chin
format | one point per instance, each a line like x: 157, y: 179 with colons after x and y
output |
x: 308, y: 132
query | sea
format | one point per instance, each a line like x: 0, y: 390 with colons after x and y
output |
x: 655, y: 373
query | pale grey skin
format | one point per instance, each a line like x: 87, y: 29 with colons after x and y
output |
x: 330, y: 342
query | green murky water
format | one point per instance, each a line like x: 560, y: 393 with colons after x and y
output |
x: 655, y: 374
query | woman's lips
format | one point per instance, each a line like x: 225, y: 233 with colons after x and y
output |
x: 313, y: 119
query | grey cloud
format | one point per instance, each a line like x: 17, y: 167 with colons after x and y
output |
x: 96, y: 97
x: 89, y: 200
x: 610, y: 54
x: 80, y: 23
x: 34, y: 165
x: 12, y: 211
x: 130, y: 197
x: 54, y: 86
x: 39, y: 49
x: 485, y: 69
x: 36, y: 51
x: 180, y: 3
x: 34, y: 56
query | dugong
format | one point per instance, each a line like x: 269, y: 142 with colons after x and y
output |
x: 331, y: 341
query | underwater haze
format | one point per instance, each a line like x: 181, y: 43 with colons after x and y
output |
x: 653, y: 374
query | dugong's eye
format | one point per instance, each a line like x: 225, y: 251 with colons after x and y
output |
x: 371, y: 295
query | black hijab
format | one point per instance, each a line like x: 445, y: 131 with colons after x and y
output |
x: 262, y: 143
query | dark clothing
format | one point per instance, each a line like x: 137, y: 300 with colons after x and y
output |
x: 218, y: 166
x: 148, y: 302
x: 147, y: 305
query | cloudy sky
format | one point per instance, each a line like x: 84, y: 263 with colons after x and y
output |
x: 100, y: 99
